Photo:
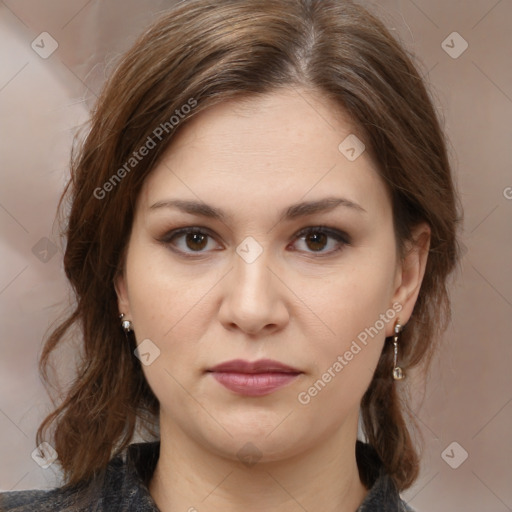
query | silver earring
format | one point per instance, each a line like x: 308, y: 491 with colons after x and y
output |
x: 398, y: 373
x: 126, y: 324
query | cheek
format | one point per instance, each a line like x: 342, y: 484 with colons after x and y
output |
x: 353, y: 303
x: 173, y: 309
x: 355, y: 313
x: 160, y: 297
x: 343, y: 363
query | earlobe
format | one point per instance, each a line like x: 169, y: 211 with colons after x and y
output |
x: 411, y: 271
x: 121, y: 292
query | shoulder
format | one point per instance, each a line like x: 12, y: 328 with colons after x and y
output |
x: 37, y: 500
x: 120, y: 486
x: 86, y: 496
x: 19, y: 499
x: 383, y: 495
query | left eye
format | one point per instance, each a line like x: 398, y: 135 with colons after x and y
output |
x: 315, y: 239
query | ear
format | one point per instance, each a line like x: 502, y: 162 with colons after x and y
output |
x: 410, y: 272
x: 122, y: 294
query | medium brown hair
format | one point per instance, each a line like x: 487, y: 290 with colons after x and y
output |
x: 201, y: 53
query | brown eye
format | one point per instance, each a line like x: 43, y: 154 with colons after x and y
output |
x: 190, y: 241
x: 316, y: 241
x: 196, y: 241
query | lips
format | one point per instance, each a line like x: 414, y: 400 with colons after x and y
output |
x: 254, y: 379
x: 260, y: 366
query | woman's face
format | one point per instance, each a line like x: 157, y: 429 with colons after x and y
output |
x: 293, y: 260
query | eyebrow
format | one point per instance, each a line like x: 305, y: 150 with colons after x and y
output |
x: 292, y: 212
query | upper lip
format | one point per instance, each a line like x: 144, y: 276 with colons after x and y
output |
x: 260, y: 366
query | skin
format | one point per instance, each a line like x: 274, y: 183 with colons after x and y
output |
x: 302, y: 302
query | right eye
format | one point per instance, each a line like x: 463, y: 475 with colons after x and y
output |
x: 189, y: 240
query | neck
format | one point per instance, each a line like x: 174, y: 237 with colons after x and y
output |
x: 190, y: 477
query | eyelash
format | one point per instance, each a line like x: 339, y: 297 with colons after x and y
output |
x: 342, y: 238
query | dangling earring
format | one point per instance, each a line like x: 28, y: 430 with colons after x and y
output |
x: 398, y: 373
x: 126, y: 324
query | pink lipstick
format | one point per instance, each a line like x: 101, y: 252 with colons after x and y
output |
x: 255, y: 378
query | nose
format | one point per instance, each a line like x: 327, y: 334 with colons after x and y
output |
x: 253, y: 298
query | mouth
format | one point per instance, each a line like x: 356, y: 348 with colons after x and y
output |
x: 248, y: 367
x: 256, y: 378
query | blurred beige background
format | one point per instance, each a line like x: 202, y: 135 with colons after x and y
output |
x: 54, y: 56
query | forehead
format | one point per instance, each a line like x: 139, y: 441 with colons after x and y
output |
x: 284, y: 119
x: 281, y: 145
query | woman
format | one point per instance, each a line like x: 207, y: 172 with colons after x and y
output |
x: 262, y: 225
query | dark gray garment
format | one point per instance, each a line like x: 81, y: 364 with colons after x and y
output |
x: 122, y: 487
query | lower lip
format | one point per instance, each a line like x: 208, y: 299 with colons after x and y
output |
x: 254, y: 384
